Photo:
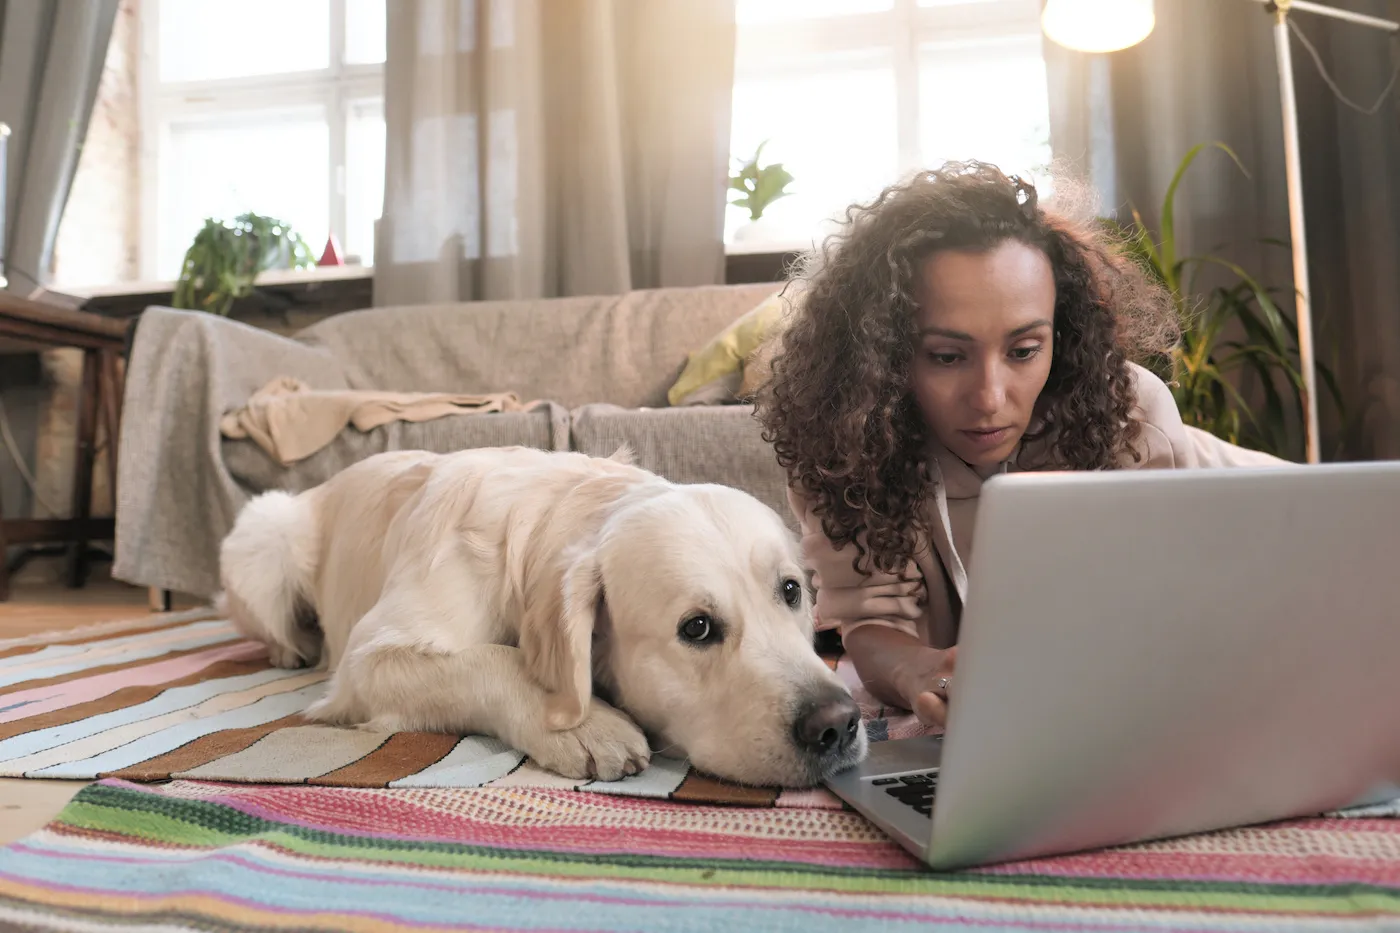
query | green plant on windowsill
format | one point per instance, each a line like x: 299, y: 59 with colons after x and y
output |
x: 1206, y: 366
x: 759, y: 187
x: 225, y: 259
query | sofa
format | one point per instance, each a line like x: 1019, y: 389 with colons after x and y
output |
x: 600, y: 366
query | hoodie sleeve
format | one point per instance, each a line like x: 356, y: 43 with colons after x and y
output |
x: 1162, y: 441
x: 1165, y: 441
x: 847, y: 599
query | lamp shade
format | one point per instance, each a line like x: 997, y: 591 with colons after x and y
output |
x: 1097, y: 25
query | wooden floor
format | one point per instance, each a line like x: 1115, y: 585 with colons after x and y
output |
x: 44, y: 607
x: 26, y: 805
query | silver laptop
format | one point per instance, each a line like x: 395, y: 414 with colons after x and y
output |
x: 1147, y: 654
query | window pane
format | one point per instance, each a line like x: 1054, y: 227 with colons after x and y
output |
x: 987, y: 17
x: 1007, y: 122
x: 364, y: 177
x: 365, y: 31
x: 747, y: 12
x: 796, y: 112
x: 208, y: 39
x: 276, y: 164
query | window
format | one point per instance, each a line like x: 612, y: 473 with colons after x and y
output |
x: 854, y: 94
x: 270, y: 106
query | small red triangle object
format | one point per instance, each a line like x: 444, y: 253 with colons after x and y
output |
x: 331, y: 256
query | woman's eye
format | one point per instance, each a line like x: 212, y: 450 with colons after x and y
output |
x: 1022, y: 354
x: 944, y: 359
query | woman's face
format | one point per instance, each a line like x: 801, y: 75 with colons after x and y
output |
x: 986, y: 330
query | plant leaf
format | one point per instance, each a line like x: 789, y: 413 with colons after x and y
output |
x: 1168, y: 232
x: 1273, y: 317
x: 224, y: 260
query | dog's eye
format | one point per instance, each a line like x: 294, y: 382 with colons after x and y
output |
x: 698, y: 630
x: 792, y: 592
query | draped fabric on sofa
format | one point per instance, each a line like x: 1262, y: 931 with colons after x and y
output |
x: 541, y: 148
x: 1208, y: 73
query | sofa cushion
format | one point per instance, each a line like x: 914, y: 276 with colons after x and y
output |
x: 623, y: 349
x: 545, y: 428
x: 697, y: 444
x: 714, y: 373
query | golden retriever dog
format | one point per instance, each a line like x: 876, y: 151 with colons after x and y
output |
x: 571, y: 606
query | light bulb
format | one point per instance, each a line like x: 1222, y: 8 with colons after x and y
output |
x: 1097, y: 25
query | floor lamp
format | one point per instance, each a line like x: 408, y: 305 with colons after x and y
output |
x: 1110, y: 25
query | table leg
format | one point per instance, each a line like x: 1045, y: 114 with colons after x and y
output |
x: 111, y: 392
x: 4, y: 558
x: 82, y: 469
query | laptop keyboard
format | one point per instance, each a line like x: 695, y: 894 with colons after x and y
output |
x: 913, y: 790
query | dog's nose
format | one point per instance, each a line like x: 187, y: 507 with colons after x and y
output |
x: 827, y: 726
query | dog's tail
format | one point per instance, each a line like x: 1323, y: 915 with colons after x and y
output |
x: 267, y: 567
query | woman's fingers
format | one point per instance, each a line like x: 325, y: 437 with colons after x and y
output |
x: 931, y: 709
x: 860, y: 603
x: 891, y: 607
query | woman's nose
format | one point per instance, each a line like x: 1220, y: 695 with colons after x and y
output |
x: 989, y: 394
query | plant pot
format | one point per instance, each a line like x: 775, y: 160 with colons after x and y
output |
x: 756, y: 231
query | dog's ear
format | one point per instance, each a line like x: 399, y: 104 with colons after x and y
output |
x: 557, y: 640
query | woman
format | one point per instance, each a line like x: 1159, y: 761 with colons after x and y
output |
x: 953, y: 329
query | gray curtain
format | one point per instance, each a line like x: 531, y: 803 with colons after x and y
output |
x: 1208, y: 73
x: 51, y: 57
x: 553, y: 147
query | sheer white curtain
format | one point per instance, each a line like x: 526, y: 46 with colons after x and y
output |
x: 553, y: 147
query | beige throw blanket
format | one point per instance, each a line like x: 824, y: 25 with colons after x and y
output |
x: 291, y: 421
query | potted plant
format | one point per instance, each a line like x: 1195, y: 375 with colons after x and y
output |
x: 1233, y: 330
x: 225, y: 259
x: 758, y: 187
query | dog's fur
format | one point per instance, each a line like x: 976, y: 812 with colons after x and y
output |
x: 505, y: 591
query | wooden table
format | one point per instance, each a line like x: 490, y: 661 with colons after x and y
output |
x: 28, y: 326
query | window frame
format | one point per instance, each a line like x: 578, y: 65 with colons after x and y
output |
x: 793, y: 45
x: 334, y: 90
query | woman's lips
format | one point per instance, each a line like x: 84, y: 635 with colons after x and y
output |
x: 993, y: 437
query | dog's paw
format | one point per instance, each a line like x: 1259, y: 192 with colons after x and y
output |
x: 608, y: 746
x: 335, y: 709
x: 286, y: 658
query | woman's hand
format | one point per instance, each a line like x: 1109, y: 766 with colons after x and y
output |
x: 902, y: 671
x: 926, y: 681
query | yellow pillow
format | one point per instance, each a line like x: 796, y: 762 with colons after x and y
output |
x: 714, y: 372
x: 758, y: 366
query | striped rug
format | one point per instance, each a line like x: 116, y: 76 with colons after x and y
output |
x: 208, y: 857
x: 185, y: 697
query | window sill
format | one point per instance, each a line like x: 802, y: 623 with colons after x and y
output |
x: 286, y: 299
x: 293, y: 296
x: 765, y: 247
x: 273, y: 278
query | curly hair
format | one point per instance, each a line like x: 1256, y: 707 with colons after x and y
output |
x: 838, y: 407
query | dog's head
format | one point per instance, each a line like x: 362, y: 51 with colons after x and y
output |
x: 690, y: 611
